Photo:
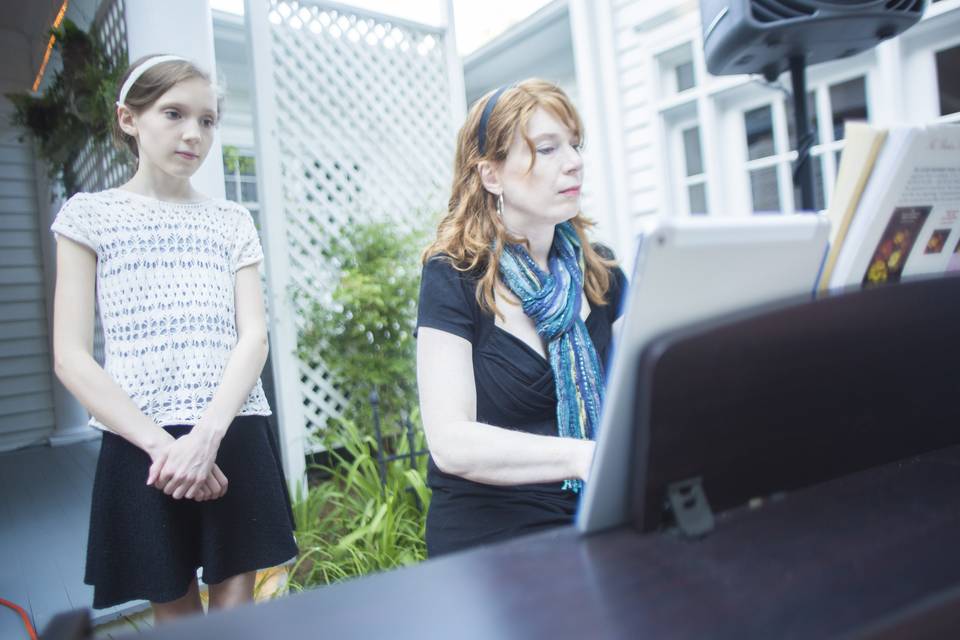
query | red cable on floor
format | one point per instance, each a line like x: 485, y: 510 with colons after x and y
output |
x: 23, y: 614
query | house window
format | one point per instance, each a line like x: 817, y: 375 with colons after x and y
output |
x: 848, y: 101
x: 759, y: 127
x: 772, y: 148
x: 695, y: 180
x: 948, y: 80
x: 685, y: 78
x: 763, y: 159
x: 240, y: 176
x: 811, y: 119
x: 677, y: 71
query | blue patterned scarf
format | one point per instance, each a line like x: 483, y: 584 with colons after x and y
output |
x: 552, y: 300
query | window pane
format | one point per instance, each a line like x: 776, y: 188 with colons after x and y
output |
x: 697, y: 194
x: 764, y: 190
x: 819, y: 201
x: 811, y: 118
x: 759, y: 125
x: 848, y: 101
x: 248, y: 166
x: 691, y: 151
x: 248, y: 192
x: 233, y: 189
x: 236, y: 161
x: 948, y: 80
x: 685, y: 78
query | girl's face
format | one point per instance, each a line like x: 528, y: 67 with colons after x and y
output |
x: 174, y: 134
x: 549, y: 192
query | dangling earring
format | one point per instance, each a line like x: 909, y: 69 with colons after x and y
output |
x: 500, y: 205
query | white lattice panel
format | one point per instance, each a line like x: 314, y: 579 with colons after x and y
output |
x: 363, y: 120
x: 110, y: 30
x: 101, y: 165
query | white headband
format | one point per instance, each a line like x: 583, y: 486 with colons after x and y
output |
x: 139, y: 71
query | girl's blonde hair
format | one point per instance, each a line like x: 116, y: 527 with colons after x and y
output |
x: 471, y: 234
x: 153, y: 83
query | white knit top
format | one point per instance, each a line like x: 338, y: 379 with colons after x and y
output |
x: 165, y: 290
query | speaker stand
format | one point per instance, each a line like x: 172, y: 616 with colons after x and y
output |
x: 802, y: 169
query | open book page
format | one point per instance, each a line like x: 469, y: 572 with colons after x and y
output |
x: 908, y: 218
x: 861, y: 148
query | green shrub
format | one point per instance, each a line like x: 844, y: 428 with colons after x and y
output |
x: 365, y: 337
x: 351, y: 525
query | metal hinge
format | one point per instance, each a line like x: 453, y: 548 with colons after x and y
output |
x: 691, y: 511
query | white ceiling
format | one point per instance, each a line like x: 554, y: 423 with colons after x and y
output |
x: 24, y: 29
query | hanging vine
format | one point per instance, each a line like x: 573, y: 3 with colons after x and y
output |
x: 76, y: 108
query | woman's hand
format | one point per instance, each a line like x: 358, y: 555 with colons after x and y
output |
x: 214, y: 487
x: 185, y: 467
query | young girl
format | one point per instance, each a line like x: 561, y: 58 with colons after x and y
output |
x: 188, y: 474
x: 514, y: 324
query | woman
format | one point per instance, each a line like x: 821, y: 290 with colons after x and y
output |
x: 514, y: 325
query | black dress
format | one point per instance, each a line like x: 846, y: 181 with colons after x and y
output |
x: 515, y: 389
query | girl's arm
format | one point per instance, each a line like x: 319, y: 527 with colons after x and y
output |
x: 190, y: 458
x: 480, y: 452
x: 73, y: 314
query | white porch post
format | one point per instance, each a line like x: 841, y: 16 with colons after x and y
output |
x: 70, y: 418
x: 886, y: 95
x: 183, y: 28
x: 458, y: 94
x: 283, y: 335
x: 598, y: 85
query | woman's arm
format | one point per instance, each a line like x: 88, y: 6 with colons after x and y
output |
x: 192, y: 456
x: 73, y: 313
x: 483, y: 453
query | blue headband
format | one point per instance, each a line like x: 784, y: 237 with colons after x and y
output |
x: 487, y: 110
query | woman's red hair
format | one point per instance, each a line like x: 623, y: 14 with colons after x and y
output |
x: 471, y: 234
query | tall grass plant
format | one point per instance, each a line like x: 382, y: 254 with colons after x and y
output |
x: 351, y: 524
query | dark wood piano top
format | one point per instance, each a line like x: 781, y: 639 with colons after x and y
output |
x: 854, y: 557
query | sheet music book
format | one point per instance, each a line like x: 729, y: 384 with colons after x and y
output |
x: 895, y: 211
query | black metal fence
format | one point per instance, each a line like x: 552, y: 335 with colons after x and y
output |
x: 383, y: 457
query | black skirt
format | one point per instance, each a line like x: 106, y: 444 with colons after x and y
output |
x: 145, y: 545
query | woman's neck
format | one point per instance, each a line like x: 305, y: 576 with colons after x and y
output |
x: 540, y: 239
x: 152, y: 182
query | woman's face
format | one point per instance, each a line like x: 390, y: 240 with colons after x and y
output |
x: 547, y: 193
x: 175, y: 133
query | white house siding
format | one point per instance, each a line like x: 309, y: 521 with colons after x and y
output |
x: 633, y: 50
x: 26, y: 400
x: 234, y: 74
x: 32, y: 405
x: 900, y: 78
x: 236, y: 127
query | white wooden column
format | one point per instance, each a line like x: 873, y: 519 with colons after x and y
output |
x: 283, y: 333
x: 458, y: 94
x: 599, y: 89
x: 886, y: 91
x: 183, y: 28
x: 72, y: 420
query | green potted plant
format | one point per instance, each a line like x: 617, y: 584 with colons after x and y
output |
x: 76, y: 108
x: 364, y: 336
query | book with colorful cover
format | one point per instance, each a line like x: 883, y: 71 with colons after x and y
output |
x: 895, y: 210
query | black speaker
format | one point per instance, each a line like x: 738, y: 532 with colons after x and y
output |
x: 761, y: 36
